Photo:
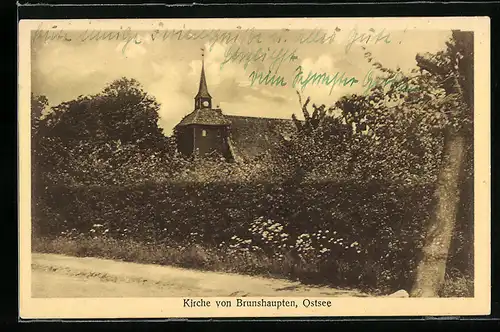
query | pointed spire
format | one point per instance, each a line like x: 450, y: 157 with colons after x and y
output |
x: 203, y: 89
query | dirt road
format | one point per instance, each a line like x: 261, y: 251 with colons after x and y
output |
x: 64, y: 276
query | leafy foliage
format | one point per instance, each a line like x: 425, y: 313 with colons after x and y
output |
x: 108, y: 138
x: 380, y: 221
x: 396, y: 131
x: 350, y: 192
x: 121, y: 112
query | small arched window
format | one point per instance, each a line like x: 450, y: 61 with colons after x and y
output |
x: 203, y: 133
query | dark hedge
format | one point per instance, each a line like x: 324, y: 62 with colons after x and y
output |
x: 384, y: 223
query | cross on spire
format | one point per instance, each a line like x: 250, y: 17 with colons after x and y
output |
x: 203, y: 57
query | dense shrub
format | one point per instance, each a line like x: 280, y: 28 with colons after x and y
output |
x: 364, y: 233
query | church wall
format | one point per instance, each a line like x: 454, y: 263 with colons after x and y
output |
x: 214, y: 139
x: 184, y: 137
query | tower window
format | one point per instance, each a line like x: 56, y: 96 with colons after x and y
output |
x: 203, y: 133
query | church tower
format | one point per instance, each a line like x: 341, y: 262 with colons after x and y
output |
x: 203, y: 98
x: 204, y: 131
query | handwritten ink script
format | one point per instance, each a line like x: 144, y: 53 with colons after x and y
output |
x: 331, y: 80
x: 245, y: 47
x: 236, y: 54
x: 238, y: 35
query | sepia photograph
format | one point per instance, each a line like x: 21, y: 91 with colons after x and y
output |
x: 258, y: 164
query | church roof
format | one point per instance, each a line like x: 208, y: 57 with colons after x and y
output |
x: 205, y: 116
x: 203, y: 89
x: 253, y: 136
x: 250, y: 137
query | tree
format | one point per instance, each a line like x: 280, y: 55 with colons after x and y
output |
x: 418, y: 127
x: 354, y: 112
x: 453, y: 68
x: 122, y: 111
x: 38, y: 106
x: 109, y: 137
x: 317, y: 144
x: 438, y: 114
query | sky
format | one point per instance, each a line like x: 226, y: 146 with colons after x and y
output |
x: 169, y: 69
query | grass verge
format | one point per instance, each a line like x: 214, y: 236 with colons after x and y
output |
x: 213, y: 259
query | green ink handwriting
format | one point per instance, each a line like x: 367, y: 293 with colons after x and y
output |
x: 47, y: 35
x: 274, y: 80
x: 366, y: 37
x: 318, y: 36
x: 122, y: 35
x: 394, y: 81
x: 213, y: 36
x: 235, y: 54
x: 324, y: 78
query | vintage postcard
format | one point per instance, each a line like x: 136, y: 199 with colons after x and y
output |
x: 254, y: 167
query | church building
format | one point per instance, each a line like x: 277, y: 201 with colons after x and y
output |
x: 207, y: 131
